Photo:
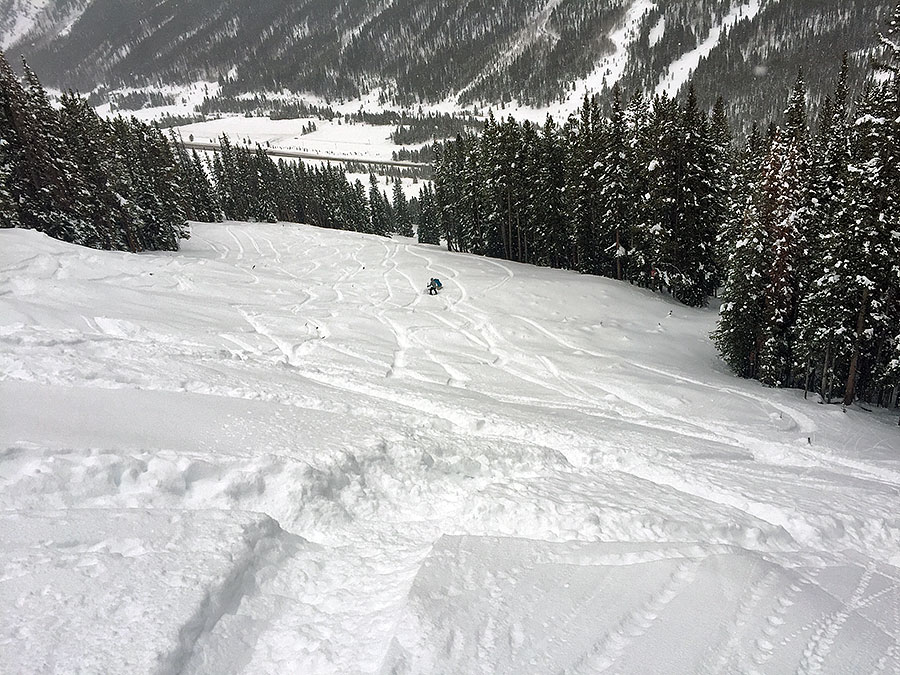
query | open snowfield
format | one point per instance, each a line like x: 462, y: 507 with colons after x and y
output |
x: 271, y: 452
x: 351, y: 141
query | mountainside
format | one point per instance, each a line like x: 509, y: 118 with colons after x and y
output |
x: 272, y: 452
x: 532, y: 52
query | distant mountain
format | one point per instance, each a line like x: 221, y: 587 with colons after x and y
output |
x: 534, y: 52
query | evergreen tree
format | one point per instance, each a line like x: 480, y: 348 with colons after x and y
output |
x: 585, y: 180
x: 740, y: 333
x: 263, y: 205
x: 45, y: 183
x: 785, y: 216
x: 657, y: 225
x: 552, y: 236
x: 85, y: 135
x: 401, y: 211
x: 378, y: 218
x: 429, y: 230
x: 615, y: 193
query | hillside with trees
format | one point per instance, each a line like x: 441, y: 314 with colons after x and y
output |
x: 475, y: 53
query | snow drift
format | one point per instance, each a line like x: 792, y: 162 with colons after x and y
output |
x: 273, y: 452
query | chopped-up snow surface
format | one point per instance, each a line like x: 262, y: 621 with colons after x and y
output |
x: 272, y: 452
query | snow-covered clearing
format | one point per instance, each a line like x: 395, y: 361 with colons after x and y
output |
x: 362, y: 141
x: 271, y: 452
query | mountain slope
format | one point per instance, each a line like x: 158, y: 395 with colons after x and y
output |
x: 273, y: 452
x: 474, y: 51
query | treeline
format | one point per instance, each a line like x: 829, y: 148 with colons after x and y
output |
x: 812, y: 297
x: 119, y: 184
x: 429, y: 127
x: 424, y: 155
x: 801, y: 228
x: 136, y: 100
x: 238, y: 183
x: 638, y: 196
x: 419, y: 51
x: 107, y: 184
x: 260, y: 105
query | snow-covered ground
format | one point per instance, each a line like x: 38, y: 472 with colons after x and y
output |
x: 271, y: 452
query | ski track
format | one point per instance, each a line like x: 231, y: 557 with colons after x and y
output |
x: 290, y: 334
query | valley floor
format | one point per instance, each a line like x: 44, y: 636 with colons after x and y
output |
x: 273, y: 452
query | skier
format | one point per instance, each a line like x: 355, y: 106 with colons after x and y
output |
x: 434, y: 285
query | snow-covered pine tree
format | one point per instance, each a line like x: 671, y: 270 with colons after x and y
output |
x: 378, y: 216
x: 725, y: 179
x: 740, y: 333
x: 657, y: 223
x: 526, y: 249
x: 157, y: 188
x: 205, y: 203
x: 473, y: 236
x: 553, y: 238
x: 816, y: 349
x: 616, y: 192
x: 890, y: 42
x: 699, y: 209
x: 449, y: 189
x: 851, y: 310
x: 86, y: 137
x: 586, y: 171
x: 10, y: 145
x: 429, y: 226
x: 494, y: 187
x: 264, y: 195
x: 640, y: 154
x: 359, y: 206
x: 401, y: 211
x: 784, y: 211
x: 9, y: 215
x: 46, y: 184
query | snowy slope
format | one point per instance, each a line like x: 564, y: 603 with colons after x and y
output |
x: 679, y: 72
x: 271, y: 452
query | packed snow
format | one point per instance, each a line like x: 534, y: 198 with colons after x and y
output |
x: 273, y: 452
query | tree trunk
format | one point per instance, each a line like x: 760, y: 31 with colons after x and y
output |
x: 808, y: 377
x: 507, y: 236
x: 854, y: 360
x: 618, y: 257
x: 824, y: 388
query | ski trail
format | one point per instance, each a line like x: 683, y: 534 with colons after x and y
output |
x: 804, y: 423
x: 556, y: 338
x: 221, y: 252
x: 505, y: 280
x: 776, y: 619
x: 230, y: 230
x: 679, y: 71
